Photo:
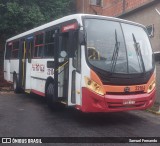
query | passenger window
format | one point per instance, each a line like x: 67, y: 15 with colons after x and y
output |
x: 15, y: 50
x: 8, y: 51
x: 38, y: 50
x: 49, y: 44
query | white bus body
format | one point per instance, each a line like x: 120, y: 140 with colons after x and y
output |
x: 33, y: 63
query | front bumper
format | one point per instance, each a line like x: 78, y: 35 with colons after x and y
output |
x: 92, y: 102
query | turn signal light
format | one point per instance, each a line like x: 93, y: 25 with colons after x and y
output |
x: 92, y: 85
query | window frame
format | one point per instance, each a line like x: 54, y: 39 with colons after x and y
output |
x: 38, y: 45
x: 15, y: 49
x: 95, y: 3
x: 150, y: 34
x: 30, y: 49
x: 48, y: 43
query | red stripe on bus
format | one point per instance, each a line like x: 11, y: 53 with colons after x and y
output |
x: 38, y: 92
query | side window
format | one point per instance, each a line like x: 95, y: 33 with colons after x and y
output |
x: 49, y: 44
x: 15, y: 50
x: 38, y: 48
x: 96, y: 2
x: 8, y: 51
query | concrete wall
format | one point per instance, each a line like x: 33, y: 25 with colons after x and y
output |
x: 148, y: 16
x: 109, y: 7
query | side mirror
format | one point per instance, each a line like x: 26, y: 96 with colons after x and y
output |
x: 157, y: 56
x: 63, y: 54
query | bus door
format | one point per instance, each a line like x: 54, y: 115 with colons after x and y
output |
x: 28, y: 59
x: 67, y: 53
x: 63, y: 61
x: 74, y: 81
x: 22, y: 64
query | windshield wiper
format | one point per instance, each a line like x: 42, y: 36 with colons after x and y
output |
x: 115, y: 53
x: 139, y: 54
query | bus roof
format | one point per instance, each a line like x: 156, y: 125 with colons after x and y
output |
x: 67, y: 18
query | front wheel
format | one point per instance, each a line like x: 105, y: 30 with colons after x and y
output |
x: 52, y: 101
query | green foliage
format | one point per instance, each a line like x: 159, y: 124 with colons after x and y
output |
x: 17, y: 16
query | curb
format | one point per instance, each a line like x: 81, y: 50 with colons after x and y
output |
x: 6, y: 90
x: 154, y: 112
x: 155, y: 109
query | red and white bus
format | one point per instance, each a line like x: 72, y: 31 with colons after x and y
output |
x: 94, y: 63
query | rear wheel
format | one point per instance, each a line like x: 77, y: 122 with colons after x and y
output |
x: 16, y: 87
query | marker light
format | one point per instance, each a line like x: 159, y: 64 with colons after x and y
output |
x: 92, y: 85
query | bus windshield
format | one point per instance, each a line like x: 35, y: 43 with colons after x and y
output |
x: 118, y: 47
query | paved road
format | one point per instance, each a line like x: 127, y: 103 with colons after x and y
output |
x: 27, y: 115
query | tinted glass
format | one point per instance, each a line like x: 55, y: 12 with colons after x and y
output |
x: 117, y: 47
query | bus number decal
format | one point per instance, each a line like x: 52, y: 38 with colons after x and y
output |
x: 38, y: 67
x: 50, y: 71
x: 140, y: 88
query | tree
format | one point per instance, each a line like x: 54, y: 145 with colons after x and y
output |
x: 17, y: 16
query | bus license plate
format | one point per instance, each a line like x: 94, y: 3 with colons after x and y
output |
x: 128, y: 102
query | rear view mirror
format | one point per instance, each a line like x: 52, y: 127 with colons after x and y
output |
x: 157, y: 56
x: 63, y: 54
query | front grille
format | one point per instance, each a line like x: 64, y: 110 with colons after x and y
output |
x: 121, y: 105
x: 125, y: 93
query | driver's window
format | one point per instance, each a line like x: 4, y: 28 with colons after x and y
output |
x: 93, y: 54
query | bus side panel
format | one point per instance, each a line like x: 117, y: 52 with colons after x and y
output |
x: 39, y: 74
x: 7, y: 70
x: 38, y: 86
x: 14, y: 67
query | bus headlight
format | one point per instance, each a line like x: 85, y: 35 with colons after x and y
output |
x: 151, y: 87
x: 92, y: 85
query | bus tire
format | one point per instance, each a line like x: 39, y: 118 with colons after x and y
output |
x: 52, y: 101
x: 16, y: 87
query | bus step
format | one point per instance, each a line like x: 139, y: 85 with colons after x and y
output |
x: 63, y: 102
x: 28, y: 91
